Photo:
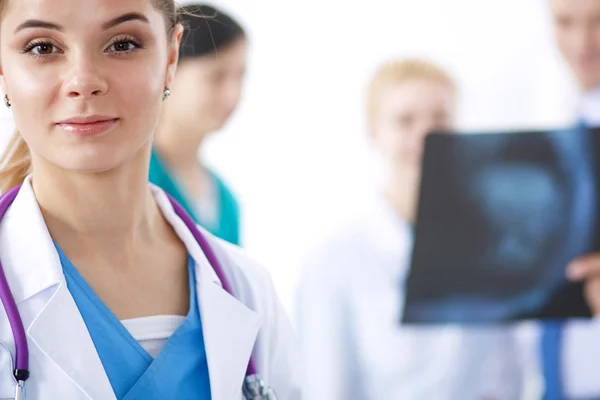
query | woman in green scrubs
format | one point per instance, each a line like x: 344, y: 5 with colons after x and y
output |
x: 206, y: 91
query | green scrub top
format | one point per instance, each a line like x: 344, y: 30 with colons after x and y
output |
x: 227, y: 224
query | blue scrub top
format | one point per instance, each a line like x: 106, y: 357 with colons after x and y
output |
x: 227, y: 226
x: 180, y: 371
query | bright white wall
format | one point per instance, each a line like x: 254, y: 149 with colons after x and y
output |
x: 295, y: 151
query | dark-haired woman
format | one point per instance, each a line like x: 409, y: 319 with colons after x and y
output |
x: 206, y: 91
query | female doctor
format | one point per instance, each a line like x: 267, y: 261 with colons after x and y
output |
x: 206, y: 91
x: 119, y: 294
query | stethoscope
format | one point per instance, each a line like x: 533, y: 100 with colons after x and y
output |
x: 253, y: 387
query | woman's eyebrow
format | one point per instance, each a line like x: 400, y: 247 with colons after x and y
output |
x: 36, y: 23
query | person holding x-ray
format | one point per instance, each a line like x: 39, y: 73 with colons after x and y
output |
x: 569, y: 351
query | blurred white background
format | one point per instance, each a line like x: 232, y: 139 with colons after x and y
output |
x: 296, y: 152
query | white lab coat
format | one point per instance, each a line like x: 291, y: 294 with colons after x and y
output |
x: 350, y: 300
x: 581, y: 339
x: 63, y: 361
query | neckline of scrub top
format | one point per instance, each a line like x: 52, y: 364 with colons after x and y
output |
x: 133, y: 376
x: 78, y: 279
x: 153, y: 327
x: 153, y: 332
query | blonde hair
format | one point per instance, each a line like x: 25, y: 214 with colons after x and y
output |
x: 399, y: 71
x: 15, y: 163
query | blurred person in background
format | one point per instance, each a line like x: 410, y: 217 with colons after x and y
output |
x: 570, y: 350
x: 350, y: 294
x: 205, y: 93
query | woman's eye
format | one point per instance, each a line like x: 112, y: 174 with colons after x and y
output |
x: 43, y: 49
x: 122, y: 46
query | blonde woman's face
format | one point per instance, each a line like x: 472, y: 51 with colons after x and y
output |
x: 405, y: 114
x: 85, y: 77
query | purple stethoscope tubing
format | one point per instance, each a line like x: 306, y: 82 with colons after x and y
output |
x: 21, y: 367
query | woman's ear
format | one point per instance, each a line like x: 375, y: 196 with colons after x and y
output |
x: 2, y: 80
x: 173, y: 54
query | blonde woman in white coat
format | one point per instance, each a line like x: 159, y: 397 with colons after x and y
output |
x: 117, y: 297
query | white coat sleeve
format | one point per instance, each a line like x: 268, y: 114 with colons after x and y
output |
x: 324, y: 334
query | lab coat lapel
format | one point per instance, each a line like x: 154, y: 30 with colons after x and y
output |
x: 229, y: 327
x: 50, y: 316
x: 61, y: 335
x: 230, y: 330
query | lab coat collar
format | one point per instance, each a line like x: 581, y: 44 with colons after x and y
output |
x: 53, y: 322
x: 589, y: 108
x: 28, y: 279
x: 388, y: 237
x: 24, y: 226
x: 389, y: 233
x: 202, y: 265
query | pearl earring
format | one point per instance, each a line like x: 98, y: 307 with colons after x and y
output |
x: 7, y: 101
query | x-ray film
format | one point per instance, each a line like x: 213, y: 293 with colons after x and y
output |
x: 500, y: 216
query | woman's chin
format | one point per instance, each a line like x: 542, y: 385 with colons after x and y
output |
x: 101, y: 159
x: 90, y: 165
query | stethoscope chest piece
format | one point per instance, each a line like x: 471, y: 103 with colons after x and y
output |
x: 255, y: 389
